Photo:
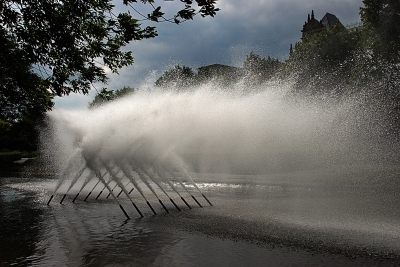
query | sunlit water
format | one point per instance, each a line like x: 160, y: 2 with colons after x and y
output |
x: 330, y: 217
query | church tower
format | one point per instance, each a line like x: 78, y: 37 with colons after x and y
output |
x: 311, y: 25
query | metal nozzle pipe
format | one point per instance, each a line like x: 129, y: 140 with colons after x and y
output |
x: 175, y: 204
x: 63, y: 198
x: 99, y: 194
x: 124, y: 211
x: 197, y: 201
x: 148, y: 204
x: 48, y: 202
x: 187, y: 204
x: 162, y: 204
x: 207, y: 199
x: 87, y: 196
x: 75, y: 198
x: 137, y: 209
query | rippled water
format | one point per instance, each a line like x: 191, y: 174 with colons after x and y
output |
x: 298, y: 219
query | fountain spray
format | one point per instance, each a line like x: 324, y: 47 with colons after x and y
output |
x: 183, y: 170
x: 114, y: 176
x: 161, y: 174
x: 143, y: 178
x: 98, y: 174
x: 87, y: 180
x: 127, y: 174
x: 158, y: 184
x: 101, y: 191
x: 92, y: 189
x: 70, y: 163
x: 180, y: 182
x: 195, y: 185
x: 77, y: 176
x: 109, y: 193
x: 130, y: 191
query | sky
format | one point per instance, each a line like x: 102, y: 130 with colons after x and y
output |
x: 266, y: 27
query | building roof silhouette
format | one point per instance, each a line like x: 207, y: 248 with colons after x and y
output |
x: 312, y: 25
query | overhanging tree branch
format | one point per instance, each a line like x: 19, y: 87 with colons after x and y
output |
x: 67, y: 37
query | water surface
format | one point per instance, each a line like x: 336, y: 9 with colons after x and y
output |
x: 293, y: 219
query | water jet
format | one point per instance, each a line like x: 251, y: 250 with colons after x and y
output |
x: 114, y: 176
x: 90, y: 192
x: 109, y: 193
x: 164, y: 143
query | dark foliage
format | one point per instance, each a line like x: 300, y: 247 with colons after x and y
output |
x: 177, y: 77
x: 22, y: 91
x: 50, y: 48
x: 381, y: 20
x: 258, y: 69
x: 104, y: 96
x: 70, y: 41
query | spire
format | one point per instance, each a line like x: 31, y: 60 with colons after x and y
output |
x: 312, y: 14
x: 308, y: 19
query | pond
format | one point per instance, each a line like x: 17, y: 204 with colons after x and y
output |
x: 293, y: 219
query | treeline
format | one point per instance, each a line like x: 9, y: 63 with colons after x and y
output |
x: 255, y: 70
x: 363, y: 63
x: 105, y: 96
x: 335, y: 63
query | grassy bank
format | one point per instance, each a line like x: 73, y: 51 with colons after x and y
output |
x: 14, y: 164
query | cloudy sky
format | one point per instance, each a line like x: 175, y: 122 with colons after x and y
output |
x: 266, y: 27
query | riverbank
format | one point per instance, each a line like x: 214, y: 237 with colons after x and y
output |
x: 24, y: 167
x: 12, y: 169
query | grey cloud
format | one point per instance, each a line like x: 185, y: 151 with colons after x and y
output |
x: 265, y: 27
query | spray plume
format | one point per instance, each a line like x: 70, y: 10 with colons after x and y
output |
x: 208, y: 130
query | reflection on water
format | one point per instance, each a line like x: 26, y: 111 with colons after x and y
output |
x: 20, y: 223
x: 254, y: 222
